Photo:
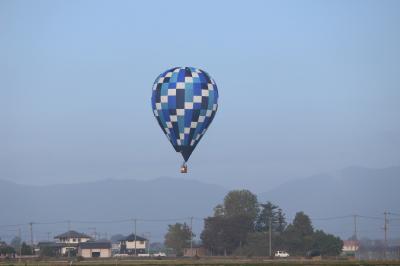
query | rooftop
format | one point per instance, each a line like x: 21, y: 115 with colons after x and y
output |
x: 72, y: 234
x: 131, y: 237
x: 94, y: 244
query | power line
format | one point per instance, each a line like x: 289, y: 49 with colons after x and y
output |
x: 332, y: 218
x: 49, y: 223
x: 166, y: 220
x: 193, y: 218
x: 12, y: 225
x: 371, y: 217
x: 102, y: 222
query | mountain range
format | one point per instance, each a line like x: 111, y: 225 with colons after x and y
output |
x: 108, y: 207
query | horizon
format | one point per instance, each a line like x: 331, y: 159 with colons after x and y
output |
x: 334, y: 218
x: 332, y: 174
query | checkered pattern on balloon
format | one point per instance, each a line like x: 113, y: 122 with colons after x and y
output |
x: 184, y: 101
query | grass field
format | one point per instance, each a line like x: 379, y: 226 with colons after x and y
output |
x: 203, y: 261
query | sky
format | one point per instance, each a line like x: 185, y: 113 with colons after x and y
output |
x: 305, y: 87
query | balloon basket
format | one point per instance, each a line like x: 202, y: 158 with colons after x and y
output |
x: 184, y: 168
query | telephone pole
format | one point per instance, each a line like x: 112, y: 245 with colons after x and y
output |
x: 385, y: 229
x: 148, y: 236
x: 355, y: 226
x: 20, y: 244
x: 134, y: 222
x: 191, y: 236
x: 270, y: 236
x: 94, y: 232
x: 31, y: 232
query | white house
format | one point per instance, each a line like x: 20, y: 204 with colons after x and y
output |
x: 128, y: 245
x: 350, y: 247
x: 69, y: 241
x: 93, y: 249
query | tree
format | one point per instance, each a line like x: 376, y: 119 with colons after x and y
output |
x: 213, y: 235
x: 327, y: 244
x: 298, y: 236
x: 266, y: 216
x: 178, y: 237
x: 16, y: 243
x: 231, y: 223
x: 223, y: 234
x: 302, y: 224
x: 257, y: 244
x: 48, y: 251
x: 7, y: 250
x: 281, y: 219
x: 270, y: 212
x: 242, y: 203
x: 26, y: 249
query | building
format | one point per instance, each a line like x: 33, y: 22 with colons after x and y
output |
x: 69, y: 241
x: 93, y: 249
x: 128, y: 245
x: 195, y: 251
x: 350, y: 247
x: 378, y: 253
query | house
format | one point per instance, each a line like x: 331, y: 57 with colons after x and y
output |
x: 195, y: 251
x: 69, y: 241
x: 115, y: 248
x: 350, y: 247
x: 128, y: 245
x: 94, y: 249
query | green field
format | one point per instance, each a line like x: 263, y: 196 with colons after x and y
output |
x: 203, y: 261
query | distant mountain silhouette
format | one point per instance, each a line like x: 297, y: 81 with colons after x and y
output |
x: 162, y: 198
x: 355, y: 190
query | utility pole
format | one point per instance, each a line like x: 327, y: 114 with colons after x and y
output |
x: 191, y: 236
x: 94, y: 233
x: 148, y: 236
x: 385, y: 228
x: 20, y: 244
x: 135, y: 235
x: 31, y: 232
x: 270, y: 237
x: 355, y: 226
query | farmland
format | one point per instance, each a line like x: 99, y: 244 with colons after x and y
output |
x: 201, y: 261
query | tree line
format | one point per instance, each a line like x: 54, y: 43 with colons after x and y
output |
x: 16, y: 247
x: 241, y: 226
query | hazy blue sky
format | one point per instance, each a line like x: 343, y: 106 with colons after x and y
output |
x: 305, y: 87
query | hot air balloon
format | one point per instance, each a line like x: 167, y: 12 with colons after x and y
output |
x: 184, y: 102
